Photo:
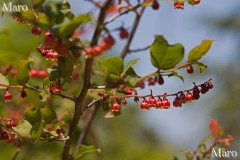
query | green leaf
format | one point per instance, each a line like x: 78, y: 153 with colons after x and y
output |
x: 54, y: 73
x: 23, y: 69
x: 4, y: 81
x: 68, y: 28
x: 112, y: 65
x: 37, y: 3
x: 53, y: 12
x: 23, y: 128
x: 64, y: 5
x: 132, y: 81
x: 65, y: 66
x: 165, y: 56
x: 197, y: 52
x: 44, y: 96
x: 202, y: 67
x: 43, y: 19
x: 175, y: 74
x: 28, y: 15
x: 36, y: 131
x: 82, y: 150
x: 130, y: 64
x: 69, y: 15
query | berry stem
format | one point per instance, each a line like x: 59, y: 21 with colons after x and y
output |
x: 151, y: 95
x: 166, y: 71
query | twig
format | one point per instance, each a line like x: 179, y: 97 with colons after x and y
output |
x: 86, y: 82
x: 85, y: 131
x: 15, y: 155
x: 140, y: 49
x: 132, y: 33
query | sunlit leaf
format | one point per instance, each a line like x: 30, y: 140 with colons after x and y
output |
x: 165, y: 56
x: 197, y: 52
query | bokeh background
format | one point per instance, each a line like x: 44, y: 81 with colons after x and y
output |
x: 154, y: 134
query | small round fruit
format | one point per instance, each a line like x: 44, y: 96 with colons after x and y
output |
x: 144, y: 105
x: 23, y: 94
x: 155, y: 5
x: 189, y: 97
x: 48, y: 114
x: 152, y: 102
x: 123, y: 33
x: 189, y: 69
x: 32, y: 115
x: 159, y: 103
x: 129, y: 92
x: 160, y: 80
x: 116, y: 107
x: 7, y: 96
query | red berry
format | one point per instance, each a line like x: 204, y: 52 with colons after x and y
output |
x: 196, y: 90
x: 103, y: 45
x: 116, y: 107
x: 36, y: 31
x: 89, y: 51
x: 97, y: 50
x: 196, y: 96
x: 57, y: 89
x: 194, y: 2
x: 210, y: 85
x: 50, y: 88
x: 23, y: 94
x: 50, y: 40
x: 182, y: 97
x: 204, y: 88
x: 189, y: 97
x: 152, y: 102
x: 189, y: 69
x: 144, y: 105
x: 123, y: 33
x: 54, y: 55
x: 7, y: 96
x: 165, y: 103
x: 151, y: 81
x: 177, y: 102
x: 110, y: 40
x: 160, y: 80
x: 62, y: 49
x: 155, y: 5
x: 42, y: 74
x: 129, y: 92
x: 178, y: 5
x: 159, y: 103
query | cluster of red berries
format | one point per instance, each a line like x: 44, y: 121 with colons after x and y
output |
x: 19, y: 20
x: 36, y: 31
x: 164, y: 103
x: 179, y: 4
x: 52, y: 47
x: 7, y: 134
x: 106, y: 44
x: 151, y: 81
x: 55, y: 89
x: 35, y: 73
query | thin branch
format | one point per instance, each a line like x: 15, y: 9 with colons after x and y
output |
x: 85, y: 131
x: 121, y: 14
x: 86, y: 82
x: 166, y: 71
x: 15, y: 155
x: 140, y: 49
x: 151, y: 95
x: 132, y: 33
